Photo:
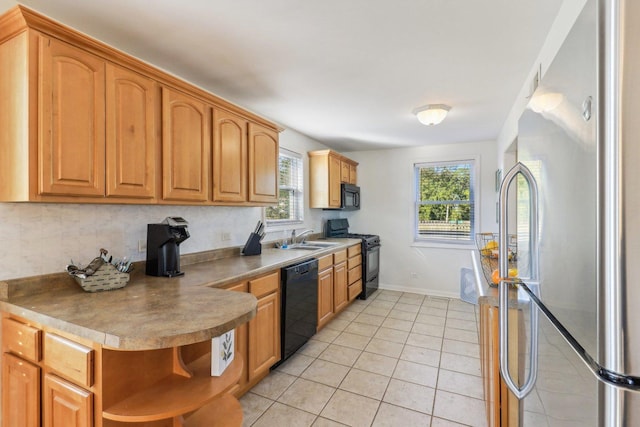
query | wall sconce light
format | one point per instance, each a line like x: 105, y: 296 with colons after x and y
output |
x: 545, y: 102
x: 431, y: 114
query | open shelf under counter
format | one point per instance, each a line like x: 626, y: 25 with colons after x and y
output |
x: 176, y: 395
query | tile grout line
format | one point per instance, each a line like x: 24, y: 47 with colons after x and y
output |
x: 394, y: 368
x: 361, y: 351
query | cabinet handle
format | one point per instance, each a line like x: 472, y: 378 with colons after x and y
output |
x: 519, y: 391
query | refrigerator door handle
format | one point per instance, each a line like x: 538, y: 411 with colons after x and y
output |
x: 519, y: 391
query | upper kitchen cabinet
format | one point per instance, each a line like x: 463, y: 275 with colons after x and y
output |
x: 348, y: 171
x: 186, y: 142
x: 131, y: 140
x: 263, y: 164
x: 72, y: 121
x: 84, y: 123
x: 327, y: 171
x: 229, y: 157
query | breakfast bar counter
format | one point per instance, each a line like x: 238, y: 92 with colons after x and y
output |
x: 144, y: 353
x: 152, y: 312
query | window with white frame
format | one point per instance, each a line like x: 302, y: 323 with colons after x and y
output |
x: 444, y: 201
x: 290, y: 207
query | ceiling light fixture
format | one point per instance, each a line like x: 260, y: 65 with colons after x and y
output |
x: 431, y: 114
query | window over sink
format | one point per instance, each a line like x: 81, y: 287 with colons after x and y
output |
x: 290, y: 207
x: 444, y: 201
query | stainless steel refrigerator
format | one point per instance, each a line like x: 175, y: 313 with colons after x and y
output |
x: 577, y: 197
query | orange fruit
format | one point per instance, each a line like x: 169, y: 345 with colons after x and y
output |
x: 495, y: 276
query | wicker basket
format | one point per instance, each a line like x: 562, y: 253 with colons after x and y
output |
x: 106, y: 278
x: 489, y: 253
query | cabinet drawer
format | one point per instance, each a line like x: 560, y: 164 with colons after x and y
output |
x: 354, y: 274
x: 354, y: 250
x: 22, y: 339
x: 325, y: 262
x: 340, y: 256
x: 238, y: 287
x: 264, y: 285
x: 355, y: 289
x: 69, y: 359
x: 354, y: 261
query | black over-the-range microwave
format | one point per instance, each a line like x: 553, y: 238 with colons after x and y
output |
x: 350, y: 197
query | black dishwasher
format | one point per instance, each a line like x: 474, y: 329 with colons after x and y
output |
x: 299, y: 306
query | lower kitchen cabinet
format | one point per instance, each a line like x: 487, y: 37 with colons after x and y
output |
x: 325, y: 296
x: 241, y: 343
x: 21, y: 392
x: 354, y: 273
x: 66, y: 405
x: 339, y: 282
x: 48, y: 384
x: 258, y: 341
x: 264, y: 335
x: 503, y: 408
x: 340, y: 287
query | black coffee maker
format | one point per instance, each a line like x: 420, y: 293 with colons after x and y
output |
x: 163, y: 246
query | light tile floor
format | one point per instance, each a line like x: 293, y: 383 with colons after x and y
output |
x: 396, y: 359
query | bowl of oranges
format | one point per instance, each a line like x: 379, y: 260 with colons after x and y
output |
x: 488, y: 246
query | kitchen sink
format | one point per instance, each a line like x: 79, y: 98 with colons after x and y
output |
x: 321, y: 244
x: 306, y: 246
x: 313, y: 245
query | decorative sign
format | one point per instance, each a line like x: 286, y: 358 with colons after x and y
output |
x: 222, y: 352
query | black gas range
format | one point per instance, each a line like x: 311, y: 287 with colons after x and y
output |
x: 370, y: 253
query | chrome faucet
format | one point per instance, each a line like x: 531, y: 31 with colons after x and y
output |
x: 302, y: 235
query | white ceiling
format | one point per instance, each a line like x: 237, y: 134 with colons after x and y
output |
x: 345, y: 72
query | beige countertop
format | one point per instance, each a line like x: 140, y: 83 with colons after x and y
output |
x: 152, y: 312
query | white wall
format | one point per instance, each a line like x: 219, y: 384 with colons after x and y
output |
x: 6, y: 5
x: 42, y: 238
x: 386, y: 181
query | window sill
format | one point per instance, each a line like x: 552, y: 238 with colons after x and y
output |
x: 281, y: 226
x: 443, y: 245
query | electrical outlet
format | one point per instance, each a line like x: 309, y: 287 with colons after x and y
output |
x: 225, y: 236
x: 414, y: 275
x: 142, y: 245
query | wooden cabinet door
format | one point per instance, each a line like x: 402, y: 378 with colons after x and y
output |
x: 20, y: 392
x: 71, y: 121
x: 340, y: 286
x: 335, y: 191
x: 264, y: 335
x: 353, y: 174
x: 131, y: 140
x: 502, y: 406
x: 325, y: 297
x: 263, y: 164
x: 242, y: 337
x: 488, y: 361
x: 186, y: 145
x: 229, y: 157
x: 66, y: 405
x: 344, y: 172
